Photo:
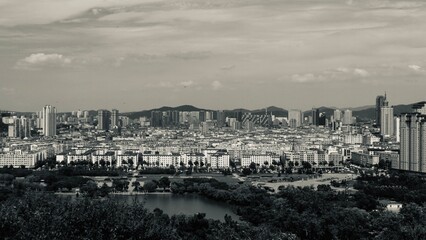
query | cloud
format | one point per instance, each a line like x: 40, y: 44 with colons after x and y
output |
x: 303, y: 78
x: 190, y: 55
x: 361, y: 72
x: 227, y: 68
x: 216, y: 85
x: 187, y: 83
x: 40, y: 60
x: 416, y: 68
x: 340, y: 74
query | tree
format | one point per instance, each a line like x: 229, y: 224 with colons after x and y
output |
x: 253, y: 167
x: 324, y: 188
x: 182, y: 165
x: 120, y: 185
x: 233, y: 165
x: 150, y: 186
x: 306, y: 165
x: 90, y: 189
x: 104, y: 190
x: 246, y: 171
x: 136, y: 186
x: 190, y: 164
x: 164, y: 183
x: 102, y: 163
x: 130, y: 161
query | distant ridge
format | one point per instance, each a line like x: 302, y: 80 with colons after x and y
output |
x: 363, y: 113
x: 147, y: 113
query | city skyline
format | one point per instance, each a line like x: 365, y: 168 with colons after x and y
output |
x: 288, y: 108
x: 135, y: 55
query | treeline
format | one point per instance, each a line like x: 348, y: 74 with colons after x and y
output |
x: 17, y: 172
x: 155, y: 170
x: 42, y: 216
x: 79, y: 171
x: 314, y: 214
x: 399, y: 187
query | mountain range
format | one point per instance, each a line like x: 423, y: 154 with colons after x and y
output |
x: 362, y: 113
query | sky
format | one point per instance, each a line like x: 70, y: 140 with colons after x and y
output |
x: 216, y: 54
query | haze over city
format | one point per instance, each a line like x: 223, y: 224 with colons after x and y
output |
x: 135, y: 55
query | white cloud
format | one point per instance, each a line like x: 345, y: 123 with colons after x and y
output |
x: 303, y: 78
x: 416, y: 68
x: 361, y: 72
x: 39, y: 60
x: 217, y: 85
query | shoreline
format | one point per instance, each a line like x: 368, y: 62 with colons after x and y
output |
x: 118, y: 193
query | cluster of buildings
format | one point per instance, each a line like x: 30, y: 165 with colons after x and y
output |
x: 215, y: 139
x: 21, y: 127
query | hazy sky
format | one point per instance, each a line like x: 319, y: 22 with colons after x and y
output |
x: 218, y: 54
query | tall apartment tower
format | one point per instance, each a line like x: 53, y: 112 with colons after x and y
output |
x: 315, y: 116
x: 396, y: 128
x: 380, y: 100
x: 347, y: 117
x: 48, y: 121
x: 337, y: 115
x: 413, y: 142
x: 103, y: 119
x: 114, y: 119
x: 295, y: 118
x: 386, y: 119
x: 220, y: 117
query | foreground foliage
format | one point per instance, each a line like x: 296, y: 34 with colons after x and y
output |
x: 44, y: 216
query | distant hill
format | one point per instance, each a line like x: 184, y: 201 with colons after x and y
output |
x: 363, y: 112
x: 329, y: 111
x: 147, y: 113
x: 361, y: 108
x: 370, y: 113
x: 277, y: 111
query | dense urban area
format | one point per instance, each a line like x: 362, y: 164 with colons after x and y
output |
x: 319, y: 174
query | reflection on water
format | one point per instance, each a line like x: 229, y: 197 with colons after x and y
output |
x: 188, y: 204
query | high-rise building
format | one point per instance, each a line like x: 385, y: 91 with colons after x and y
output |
x: 48, y: 120
x: 220, y: 117
x: 295, y: 118
x: 413, y: 143
x: 380, y: 100
x: 156, y: 118
x: 86, y: 114
x: 337, y: 115
x: 15, y: 128
x: 315, y: 116
x: 114, y: 119
x: 25, y: 127
x: 420, y: 107
x: 249, y: 126
x: 103, y: 119
x: 347, y: 117
x: 396, y: 128
x: 386, y: 119
x: 209, y: 115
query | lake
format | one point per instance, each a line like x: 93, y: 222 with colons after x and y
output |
x: 188, y: 204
